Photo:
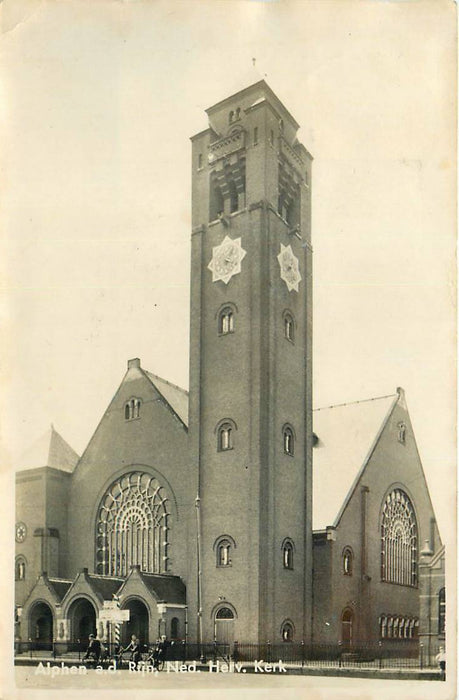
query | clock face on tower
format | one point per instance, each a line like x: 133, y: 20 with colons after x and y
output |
x: 289, y: 268
x: 226, y: 259
x: 21, y: 532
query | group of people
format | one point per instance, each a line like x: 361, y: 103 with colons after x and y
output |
x: 96, y: 651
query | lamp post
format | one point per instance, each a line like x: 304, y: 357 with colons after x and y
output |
x: 198, y: 543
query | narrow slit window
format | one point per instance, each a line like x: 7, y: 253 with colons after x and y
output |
x: 289, y: 441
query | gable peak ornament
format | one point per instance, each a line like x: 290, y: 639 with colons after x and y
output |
x: 226, y: 259
x: 289, y: 268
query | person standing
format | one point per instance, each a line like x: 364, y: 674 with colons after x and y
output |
x: 441, y: 659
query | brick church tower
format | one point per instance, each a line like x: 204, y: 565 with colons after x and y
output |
x: 250, y: 416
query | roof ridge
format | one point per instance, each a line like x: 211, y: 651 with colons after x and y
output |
x: 152, y: 573
x: 166, y: 381
x: 114, y: 578
x: 53, y: 579
x: 351, y: 403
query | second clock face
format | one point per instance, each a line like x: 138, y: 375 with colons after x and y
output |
x: 226, y: 259
x: 289, y: 268
x: 21, y: 532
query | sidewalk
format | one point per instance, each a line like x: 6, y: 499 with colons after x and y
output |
x: 308, y: 669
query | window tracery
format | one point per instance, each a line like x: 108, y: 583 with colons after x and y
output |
x: 132, y: 526
x: 398, y: 540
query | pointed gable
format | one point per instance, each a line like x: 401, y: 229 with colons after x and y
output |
x: 162, y: 587
x: 346, y: 436
x: 97, y: 588
x: 60, y: 586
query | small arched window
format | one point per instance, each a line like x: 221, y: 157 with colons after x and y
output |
x: 226, y: 321
x: 224, y: 553
x: 287, y: 554
x: 224, y: 614
x: 225, y: 437
x: 441, y: 611
x: 255, y: 136
x: 383, y: 626
x: 238, y: 113
x: 287, y: 631
x: 132, y: 409
x: 231, y: 116
x: 289, y: 441
x: 175, y: 628
x: 20, y: 569
x: 401, y: 433
x: 225, y: 434
x: 347, y: 561
x: 289, y: 327
x: 223, y: 548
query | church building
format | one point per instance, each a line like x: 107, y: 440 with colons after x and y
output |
x: 234, y: 511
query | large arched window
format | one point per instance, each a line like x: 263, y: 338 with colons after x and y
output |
x: 398, y: 540
x: 132, y: 526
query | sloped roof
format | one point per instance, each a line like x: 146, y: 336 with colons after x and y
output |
x: 50, y: 450
x: 346, y: 436
x: 176, y: 397
x: 168, y: 588
x: 60, y: 585
x: 106, y: 586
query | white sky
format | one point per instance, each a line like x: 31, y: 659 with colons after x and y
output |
x: 100, y: 99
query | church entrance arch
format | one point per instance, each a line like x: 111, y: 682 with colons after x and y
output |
x: 347, y: 621
x: 224, y: 627
x: 41, y: 626
x: 138, y: 623
x: 82, y: 616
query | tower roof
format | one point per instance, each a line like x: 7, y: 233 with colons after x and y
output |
x: 50, y: 450
x: 253, y: 94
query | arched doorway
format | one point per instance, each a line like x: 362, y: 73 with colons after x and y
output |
x: 82, y: 617
x: 224, y: 626
x: 138, y: 623
x: 347, y: 620
x: 41, y: 626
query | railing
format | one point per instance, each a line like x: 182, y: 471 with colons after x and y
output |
x: 381, y: 655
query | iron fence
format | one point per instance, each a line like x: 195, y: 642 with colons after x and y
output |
x: 379, y: 655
